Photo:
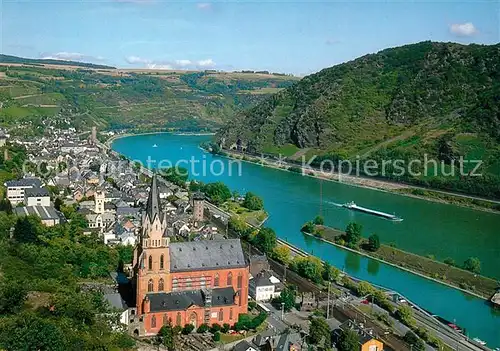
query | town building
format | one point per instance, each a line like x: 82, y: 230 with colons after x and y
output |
x: 265, y: 287
x: 36, y: 197
x: 185, y: 282
x: 198, y: 207
x: 16, y: 188
x: 367, y: 340
x: 47, y: 214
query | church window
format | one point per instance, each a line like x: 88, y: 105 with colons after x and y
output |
x: 161, y: 261
x: 202, y: 282
x: 229, y: 279
x: 153, y: 321
x: 216, y: 279
x: 161, y: 285
x: 240, y: 280
x: 150, y: 262
x: 165, y: 319
x: 221, y: 315
x: 178, y: 319
x: 188, y: 282
x: 150, y: 285
x: 230, y: 313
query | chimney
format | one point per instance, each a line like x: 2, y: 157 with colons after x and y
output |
x: 146, y: 305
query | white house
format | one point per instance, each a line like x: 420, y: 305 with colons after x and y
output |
x: 265, y: 287
x: 16, y: 188
x: 119, y: 307
x: 36, y: 197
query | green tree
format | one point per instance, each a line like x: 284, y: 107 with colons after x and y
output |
x: 217, y: 192
x: 188, y: 328
x: 283, y: 254
x: 215, y: 328
x: 373, y: 242
x: 203, y: 328
x: 319, y: 220
x: 309, y: 267
x: 27, y: 229
x: 58, y: 203
x: 364, y: 288
x: 216, y: 336
x: 176, y: 175
x: 449, y: 261
x: 353, y: 233
x: 473, y: 265
x: 265, y: 240
x: 12, y: 296
x: 166, y: 337
x: 308, y: 227
x: 6, y: 206
x: 319, y: 331
x: 414, y: 341
x: 330, y: 273
x: 405, y: 314
x: 253, y: 202
x: 348, y: 341
x: 287, y: 297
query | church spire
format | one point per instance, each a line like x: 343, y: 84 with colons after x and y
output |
x: 153, y: 205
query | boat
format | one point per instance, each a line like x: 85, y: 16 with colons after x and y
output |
x: 479, y: 341
x: 155, y: 145
x: 352, y: 206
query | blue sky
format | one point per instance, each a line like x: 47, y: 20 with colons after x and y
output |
x: 281, y: 36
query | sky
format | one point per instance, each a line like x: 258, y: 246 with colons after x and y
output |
x: 280, y: 36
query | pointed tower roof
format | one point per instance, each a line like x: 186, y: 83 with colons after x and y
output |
x: 153, y: 208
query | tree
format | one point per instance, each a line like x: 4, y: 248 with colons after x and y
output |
x: 473, y: 265
x: 449, y: 261
x: 319, y: 331
x: 353, y: 233
x: 202, y: 328
x: 265, y: 240
x: 364, y: 288
x: 166, y: 337
x: 176, y: 175
x: 253, y: 202
x: 225, y: 328
x: 217, y: 192
x: 309, y: 267
x: 12, y: 296
x: 215, y: 328
x: 308, y: 228
x: 6, y: 206
x: 287, y: 297
x: 216, y: 336
x: 348, y: 341
x: 416, y: 343
x: 188, y: 328
x: 319, y: 220
x: 283, y: 254
x: 27, y: 229
x: 330, y: 273
x: 405, y: 314
x: 373, y: 242
x: 58, y: 203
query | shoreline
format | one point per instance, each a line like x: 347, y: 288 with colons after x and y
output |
x: 112, y: 139
x: 366, y: 183
x: 409, y: 270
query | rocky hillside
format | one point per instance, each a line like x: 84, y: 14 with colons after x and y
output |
x: 442, y: 99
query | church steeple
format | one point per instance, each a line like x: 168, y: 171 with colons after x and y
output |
x: 153, y: 209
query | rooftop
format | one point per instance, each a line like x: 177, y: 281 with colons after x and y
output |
x: 44, y: 212
x: 205, y: 255
x: 36, y: 192
x: 34, y: 182
x: 182, y: 300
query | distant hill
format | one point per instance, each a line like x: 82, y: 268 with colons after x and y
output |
x: 442, y: 99
x: 35, y: 96
x: 28, y: 61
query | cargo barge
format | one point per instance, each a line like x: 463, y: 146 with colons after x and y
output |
x: 352, y: 206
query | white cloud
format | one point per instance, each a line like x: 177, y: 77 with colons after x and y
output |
x: 204, y: 6
x: 463, y: 29
x: 206, y: 63
x: 70, y: 56
x: 181, y: 64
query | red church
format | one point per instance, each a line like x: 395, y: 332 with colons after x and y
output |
x: 185, y: 282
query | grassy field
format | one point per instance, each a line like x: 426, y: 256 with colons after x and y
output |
x: 254, y: 218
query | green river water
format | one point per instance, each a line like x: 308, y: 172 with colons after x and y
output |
x: 428, y: 227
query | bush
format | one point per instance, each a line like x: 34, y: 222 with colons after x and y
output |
x: 202, y: 328
x: 215, y: 328
x: 225, y: 328
x: 373, y: 242
x: 177, y: 329
x: 252, y: 305
x: 188, y: 328
x: 216, y: 336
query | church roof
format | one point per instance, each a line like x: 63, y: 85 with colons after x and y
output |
x: 182, y: 300
x: 153, y: 206
x: 206, y: 255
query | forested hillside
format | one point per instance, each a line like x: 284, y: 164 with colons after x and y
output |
x: 439, y: 99
x: 33, y: 97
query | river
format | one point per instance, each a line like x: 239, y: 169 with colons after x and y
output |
x: 291, y: 199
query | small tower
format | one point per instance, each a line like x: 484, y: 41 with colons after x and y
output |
x: 198, y: 207
x: 99, y: 197
x: 93, y: 139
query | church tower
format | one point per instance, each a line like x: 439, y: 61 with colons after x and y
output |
x: 151, y: 256
x: 99, y: 198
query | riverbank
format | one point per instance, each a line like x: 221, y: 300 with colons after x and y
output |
x: 452, y: 276
x: 402, y: 189
x: 129, y: 134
